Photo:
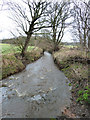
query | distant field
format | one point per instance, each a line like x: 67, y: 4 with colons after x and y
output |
x: 8, y: 48
x: 40, y: 42
x: 70, y: 46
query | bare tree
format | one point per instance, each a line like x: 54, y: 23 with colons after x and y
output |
x: 88, y: 24
x: 80, y: 11
x: 58, y: 14
x: 3, y: 5
x: 46, y: 34
x: 29, y: 17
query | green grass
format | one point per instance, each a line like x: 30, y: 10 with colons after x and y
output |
x: 11, y: 65
x: 70, y: 46
x: 8, y: 48
x: 11, y: 61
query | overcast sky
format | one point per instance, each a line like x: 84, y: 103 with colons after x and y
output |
x: 7, y: 25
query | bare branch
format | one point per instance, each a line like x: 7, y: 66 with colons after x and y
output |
x: 29, y: 19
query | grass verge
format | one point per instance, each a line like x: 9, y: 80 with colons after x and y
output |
x: 11, y: 65
x: 12, y: 62
x: 74, y: 64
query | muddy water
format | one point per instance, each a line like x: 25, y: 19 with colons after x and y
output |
x: 40, y: 91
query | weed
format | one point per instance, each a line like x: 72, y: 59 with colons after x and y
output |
x: 69, y: 84
x: 83, y: 95
x: 77, y: 86
x: 80, y: 92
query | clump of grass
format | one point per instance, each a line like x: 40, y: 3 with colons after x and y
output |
x: 32, y: 55
x: 11, y: 65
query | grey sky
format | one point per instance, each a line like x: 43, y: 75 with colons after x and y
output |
x: 7, y: 25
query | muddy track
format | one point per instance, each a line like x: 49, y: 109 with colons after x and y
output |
x: 40, y: 91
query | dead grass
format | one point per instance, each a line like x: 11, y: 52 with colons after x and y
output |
x: 74, y: 64
x: 67, y: 53
x: 32, y: 56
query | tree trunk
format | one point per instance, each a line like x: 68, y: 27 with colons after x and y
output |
x: 89, y: 42
x: 56, y: 48
x: 81, y: 42
x: 84, y: 42
x: 26, y: 45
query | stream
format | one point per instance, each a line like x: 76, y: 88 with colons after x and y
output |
x: 39, y: 91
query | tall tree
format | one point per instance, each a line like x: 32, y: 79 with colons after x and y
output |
x: 58, y: 14
x: 80, y: 12
x: 88, y: 24
x: 29, y: 17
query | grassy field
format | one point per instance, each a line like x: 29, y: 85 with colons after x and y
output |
x: 11, y: 54
x: 12, y: 62
x: 9, y: 48
x: 40, y: 42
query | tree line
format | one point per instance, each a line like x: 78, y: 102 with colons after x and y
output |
x: 33, y: 16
